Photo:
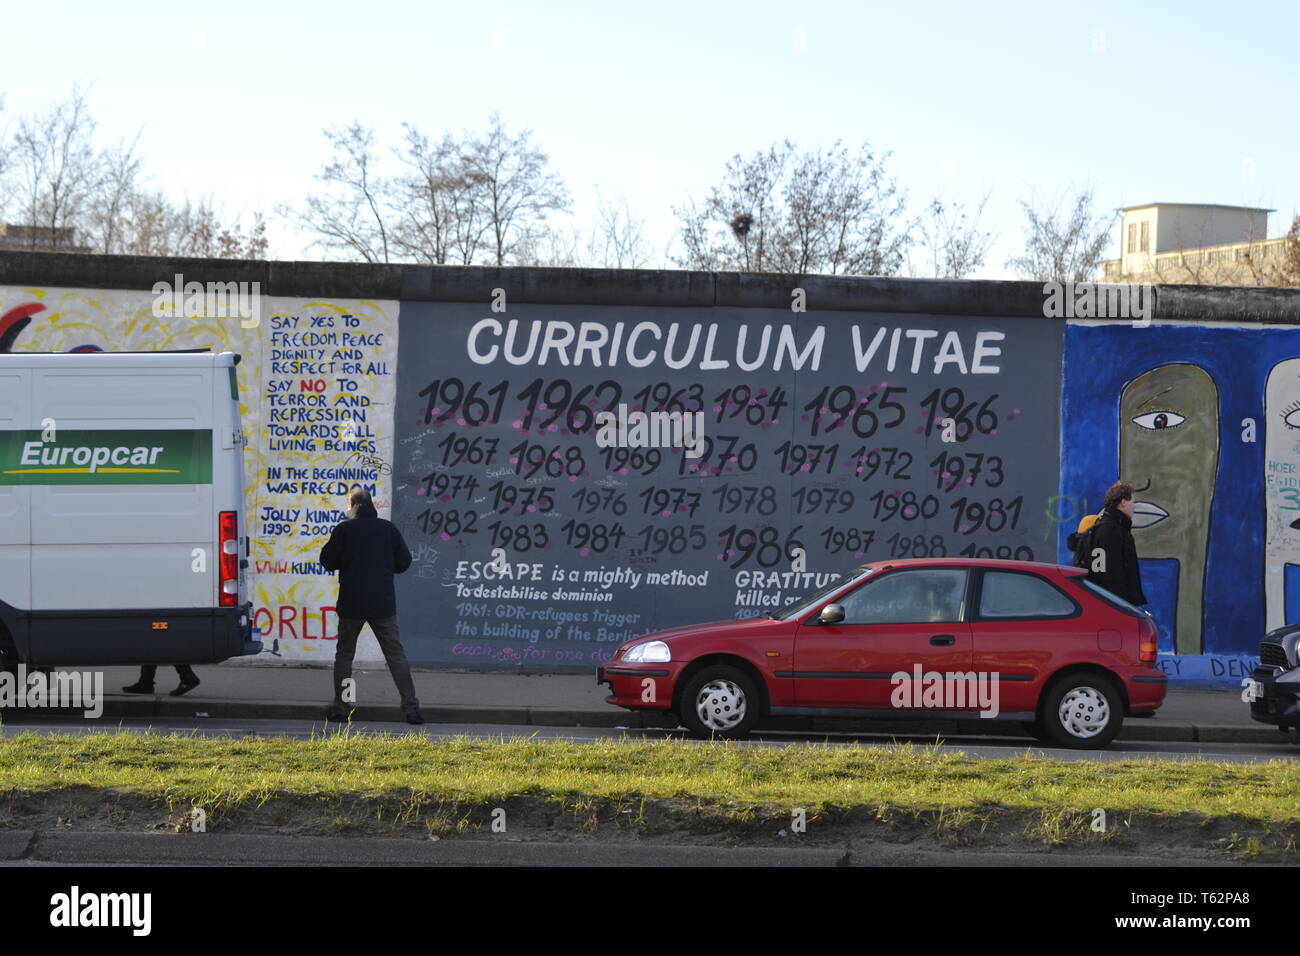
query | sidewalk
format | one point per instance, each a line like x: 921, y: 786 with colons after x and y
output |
x: 289, y: 693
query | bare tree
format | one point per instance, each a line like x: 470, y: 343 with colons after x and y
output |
x: 1063, y: 248
x: 617, y: 238
x: 150, y: 225
x: 1275, y: 263
x: 550, y: 246
x: 732, y: 228
x: 73, y: 193
x: 954, y: 243
x: 349, y: 215
x: 107, y: 216
x: 4, y: 162
x: 441, y: 219
x: 55, y: 169
x: 835, y: 212
x: 513, y: 187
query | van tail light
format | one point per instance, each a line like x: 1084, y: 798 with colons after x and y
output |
x: 1147, y: 642
x: 228, y: 579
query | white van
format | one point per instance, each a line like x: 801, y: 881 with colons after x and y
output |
x: 122, y: 530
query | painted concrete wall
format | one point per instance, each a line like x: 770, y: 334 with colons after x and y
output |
x: 404, y: 379
x: 316, y: 386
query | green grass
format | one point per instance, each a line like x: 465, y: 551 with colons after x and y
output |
x: 222, y: 773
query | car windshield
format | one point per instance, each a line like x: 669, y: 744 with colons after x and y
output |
x: 804, y: 605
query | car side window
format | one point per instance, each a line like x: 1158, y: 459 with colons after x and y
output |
x: 923, y: 595
x: 1011, y: 594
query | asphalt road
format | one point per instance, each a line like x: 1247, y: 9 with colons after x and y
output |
x: 983, y: 746
x: 25, y: 848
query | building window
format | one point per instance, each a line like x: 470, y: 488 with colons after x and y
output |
x: 1132, y: 236
x: 1146, y: 237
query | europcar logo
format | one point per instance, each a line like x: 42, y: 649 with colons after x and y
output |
x: 107, y: 457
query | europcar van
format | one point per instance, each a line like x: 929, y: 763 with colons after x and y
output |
x: 122, y: 529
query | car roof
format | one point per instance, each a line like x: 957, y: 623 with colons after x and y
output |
x: 1035, y: 566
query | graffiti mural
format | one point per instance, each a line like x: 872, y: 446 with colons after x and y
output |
x: 316, y: 384
x: 1282, y: 494
x: 1169, y: 450
x: 1184, y: 414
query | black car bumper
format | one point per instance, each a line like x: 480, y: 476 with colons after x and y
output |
x: 1277, y: 696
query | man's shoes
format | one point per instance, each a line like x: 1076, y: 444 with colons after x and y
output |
x: 337, y: 713
x: 139, y: 687
x: 414, y: 717
x: 185, y: 687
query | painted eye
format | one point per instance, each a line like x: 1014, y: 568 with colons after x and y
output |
x: 1155, y: 420
x: 1291, y: 415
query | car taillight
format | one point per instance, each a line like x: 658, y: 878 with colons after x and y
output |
x: 1147, y: 642
x: 228, y: 579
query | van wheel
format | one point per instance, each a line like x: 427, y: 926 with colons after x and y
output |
x: 719, y: 701
x: 1082, y: 711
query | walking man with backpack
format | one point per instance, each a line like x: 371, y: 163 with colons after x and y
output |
x: 1106, y: 548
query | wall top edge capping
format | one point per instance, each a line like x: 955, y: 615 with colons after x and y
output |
x: 628, y: 287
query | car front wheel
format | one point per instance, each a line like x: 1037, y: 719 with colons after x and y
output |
x: 1082, y: 711
x: 719, y: 701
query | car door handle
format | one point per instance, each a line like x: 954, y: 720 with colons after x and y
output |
x: 942, y: 639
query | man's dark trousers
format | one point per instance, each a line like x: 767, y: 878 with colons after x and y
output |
x: 385, y: 629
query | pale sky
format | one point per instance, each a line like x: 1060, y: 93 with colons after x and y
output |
x: 1174, y: 102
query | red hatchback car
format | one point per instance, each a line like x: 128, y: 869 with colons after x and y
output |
x: 943, y: 638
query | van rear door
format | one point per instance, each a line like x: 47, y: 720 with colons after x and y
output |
x: 15, y: 506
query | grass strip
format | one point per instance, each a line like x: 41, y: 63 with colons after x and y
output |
x: 242, y: 772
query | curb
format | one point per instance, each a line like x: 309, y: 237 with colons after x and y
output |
x: 1133, y: 730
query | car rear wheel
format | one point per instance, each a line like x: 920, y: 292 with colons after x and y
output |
x: 719, y: 701
x: 1082, y: 711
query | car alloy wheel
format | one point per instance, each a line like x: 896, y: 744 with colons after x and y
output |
x: 1084, y: 712
x: 720, y: 705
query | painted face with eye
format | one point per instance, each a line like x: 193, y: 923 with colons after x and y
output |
x: 1281, y: 490
x: 1169, y: 450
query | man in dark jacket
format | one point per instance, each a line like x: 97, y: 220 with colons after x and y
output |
x: 1112, y: 560
x: 367, y: 551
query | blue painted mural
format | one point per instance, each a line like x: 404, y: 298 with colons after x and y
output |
x: 1199, y: 420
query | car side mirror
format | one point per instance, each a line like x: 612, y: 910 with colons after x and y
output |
x: 831, y: 614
